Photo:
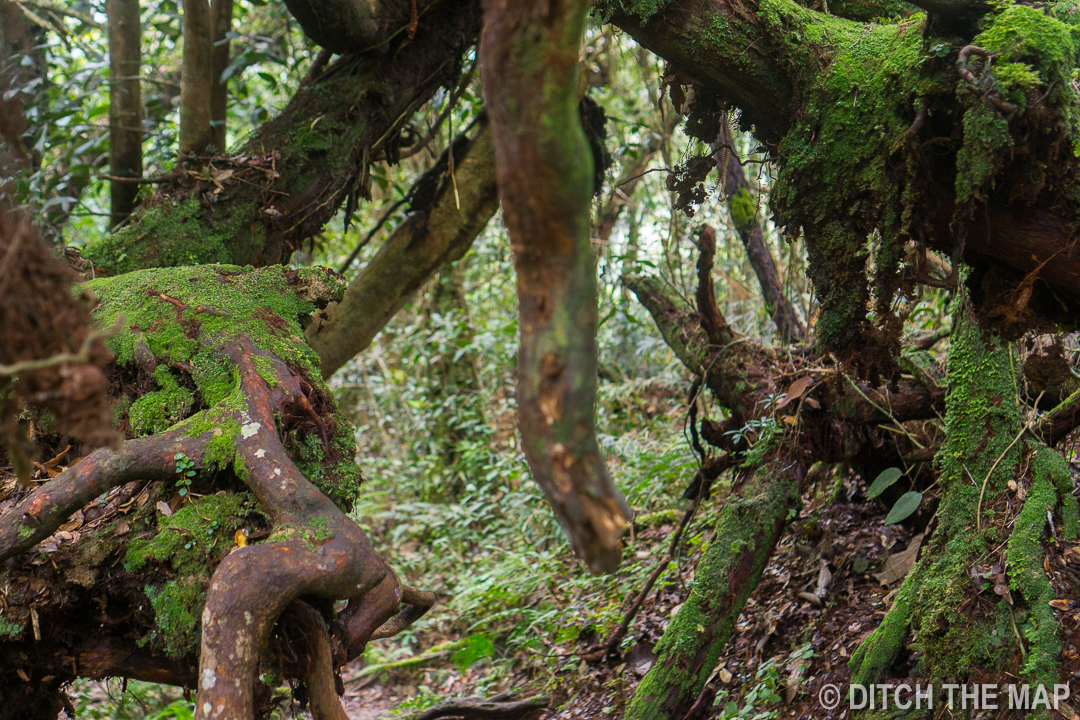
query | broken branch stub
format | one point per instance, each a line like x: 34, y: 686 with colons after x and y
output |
x: 545, y: 175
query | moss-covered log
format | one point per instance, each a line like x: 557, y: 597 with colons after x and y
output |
x: 290, y: 177
x: 742, y: 543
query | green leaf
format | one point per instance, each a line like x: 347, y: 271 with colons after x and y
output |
x: 907, y: 504
x: 475, y: 647
x: 183, y: 491
x: 190, y: 473
x: 883, y: 481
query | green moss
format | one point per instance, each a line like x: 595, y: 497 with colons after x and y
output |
x: 851, y: 168
x: 744, y: 537
x: 172, y: 234
x: 986, y: 134
x: 9, y: 630
x: 1026, y: 576
x: 880, y: 649
x: 177, y: 607
x: 743, y: 211
x: 195, y: 534
x: 159, y: 410
x: 1050, y: 465
x: 982, y: 420
x: 641, y: 9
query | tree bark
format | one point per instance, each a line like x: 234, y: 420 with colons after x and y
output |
x: 1014, y: 636
x: 742, y: 543
x: 529, y: 55
x: 742, y: 205
x: 196, y: 78
x: 125, y: 105
x: 222, y: 13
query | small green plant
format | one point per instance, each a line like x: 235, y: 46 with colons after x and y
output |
x: 185, y: 466
x: 763, y: 693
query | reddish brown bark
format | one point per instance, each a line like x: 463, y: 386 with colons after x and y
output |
x: 544, y: 169
x: 50, y: 505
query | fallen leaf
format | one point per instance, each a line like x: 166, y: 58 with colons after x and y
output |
x: 795, y: 391
x: 898, y: 565
x: 1059, y: 604
x: 241, y: 538
x: 163, y: 508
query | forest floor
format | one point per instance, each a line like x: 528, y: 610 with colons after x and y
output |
x: 829, y: 585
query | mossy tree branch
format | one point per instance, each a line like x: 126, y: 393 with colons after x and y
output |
x: 424, y: 242
x: 746, y: 533
x: 295, y: 171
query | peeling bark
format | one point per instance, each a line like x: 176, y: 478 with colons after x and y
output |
x: 529, y: 58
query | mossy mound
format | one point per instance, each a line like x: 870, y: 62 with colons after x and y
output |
x: 170, y: 367
x: 150, y: 561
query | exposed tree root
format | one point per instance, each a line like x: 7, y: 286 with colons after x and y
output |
x: 49, y: 506
x: 470, y: 709
x: 317, y: 662
x: 328, y: 555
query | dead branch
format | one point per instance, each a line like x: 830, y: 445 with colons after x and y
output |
x: 712, y: 320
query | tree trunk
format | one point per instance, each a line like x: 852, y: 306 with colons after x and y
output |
x: 986, y: 530
x: 125, y: 105
x: 222, y: 13
x: 196, y: 79
x: 281, y: 187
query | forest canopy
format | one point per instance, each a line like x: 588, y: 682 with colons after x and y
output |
x: 657, y: 359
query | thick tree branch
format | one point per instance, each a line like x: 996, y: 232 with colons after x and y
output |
x: 529, y: 59
x: 281, y: 187
x: 427, y: 240
x: 741, y: 374
x: 49, y: 506
x: 742, y: 63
